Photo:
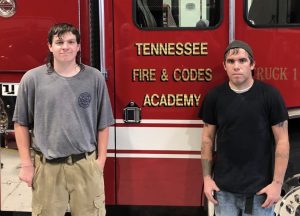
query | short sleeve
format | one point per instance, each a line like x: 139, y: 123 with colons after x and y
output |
x: 278, y: 110
x: 24, y: 109
x: 207, y: 110
x: 105, y: 114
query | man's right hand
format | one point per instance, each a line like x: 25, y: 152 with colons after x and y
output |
x: 26, y: 174
x: 209, y: 189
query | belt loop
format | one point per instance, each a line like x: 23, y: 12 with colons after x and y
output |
x: 86, y: 155
x: 40, y: 156
x: 249, y: 204
x: 43, y: 159
x: 70, y: 160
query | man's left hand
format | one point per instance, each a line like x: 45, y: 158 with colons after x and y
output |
x: 272, y: 191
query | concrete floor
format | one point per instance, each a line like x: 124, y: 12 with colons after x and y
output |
x: 15, y: 195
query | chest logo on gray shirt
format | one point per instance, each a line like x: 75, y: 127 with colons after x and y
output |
x: 84, y: 99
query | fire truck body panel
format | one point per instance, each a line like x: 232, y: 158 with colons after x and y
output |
x: 168, y: 134
x: 157, y: 77
x: 27, y: 29
x: 277, y: 53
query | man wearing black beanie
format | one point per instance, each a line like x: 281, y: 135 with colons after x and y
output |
x: 247, y: 121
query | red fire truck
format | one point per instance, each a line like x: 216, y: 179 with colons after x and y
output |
x: 159, y: 57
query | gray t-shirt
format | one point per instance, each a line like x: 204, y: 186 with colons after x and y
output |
x: 65, y: 113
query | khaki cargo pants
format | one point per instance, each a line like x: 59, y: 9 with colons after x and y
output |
x: 57, y: 186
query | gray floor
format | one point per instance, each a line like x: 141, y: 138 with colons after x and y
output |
x: 15, y: 195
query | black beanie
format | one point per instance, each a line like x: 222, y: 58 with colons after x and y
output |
x: 239, y: 44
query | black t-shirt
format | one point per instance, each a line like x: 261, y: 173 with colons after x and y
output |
x: 244, y: 158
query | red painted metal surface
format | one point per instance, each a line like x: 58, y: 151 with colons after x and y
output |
x: 161, y: 181
x: 277, y: 54
x: 127, y: 34
x: 24, y: 36
x: 149, y: 181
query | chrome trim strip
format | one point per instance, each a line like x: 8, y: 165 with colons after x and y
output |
x: 231, y: 20
x: 102, y: 38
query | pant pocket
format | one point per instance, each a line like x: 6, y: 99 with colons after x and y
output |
x: 37, y: 167
x: 97, y: 167
x: 99, y: 204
